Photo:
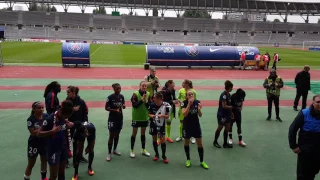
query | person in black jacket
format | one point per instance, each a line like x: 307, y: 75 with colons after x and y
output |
x: 51, y: 97
x: 80, y: 113
x: 307, y: 122
x: 302, y: 82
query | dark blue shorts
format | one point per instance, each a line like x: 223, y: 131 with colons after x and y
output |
x: 90, y: 138
x: 115, y: 125
x: 237, y: 119
x: 191, y: 131
x: 55, y: 157
x: 223, y: 120
x: 35, y: 148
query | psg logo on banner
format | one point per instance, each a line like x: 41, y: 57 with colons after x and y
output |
x: 192, y: 51
x: 75, y: 48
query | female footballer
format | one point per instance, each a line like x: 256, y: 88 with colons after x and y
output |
x: 36, y: 145
x: 84, y: 130
x: 80, y: 113
x: 140, y: 100
x: 159, y: 112
x: 191, y: 110
x: 169, y: 96
x: 115, y: 103
x: 224, y: 115
x: 51, y: 96
x: 237, y: 103
x: 186, y: 86
x: 54, y: 127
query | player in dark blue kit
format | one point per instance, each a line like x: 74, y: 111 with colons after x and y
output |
x: 84, y: 130
x: 224, y: 115
x: 36, y: 145
x: 51, y: 96
x: 237, y: 105
x: 191, y: 110
x: 54, y: 128
x: 80, y: 113
x: 159, y: 112
x: 115, y: 103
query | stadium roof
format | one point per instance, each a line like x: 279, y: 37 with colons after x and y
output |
x: 254, y: 6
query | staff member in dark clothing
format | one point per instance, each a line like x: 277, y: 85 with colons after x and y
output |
x: 51, y: 97
x: 273, y: 84
x: 302, y: 82
x: 308, y: 146
x: 80, y: 113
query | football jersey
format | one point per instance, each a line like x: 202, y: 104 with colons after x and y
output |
x: 36, y: 124
x: 57, y: 140
x: 225, y: 96
x: 192, y: 118
x: 115, y: 102
x: 236, y: 102
x: 153, y: 109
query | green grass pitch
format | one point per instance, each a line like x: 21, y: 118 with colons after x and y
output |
x: 35, y: 52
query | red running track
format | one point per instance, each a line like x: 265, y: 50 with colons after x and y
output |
x: 101, y: 104
x: 139, y: 73
x: 133, y: 88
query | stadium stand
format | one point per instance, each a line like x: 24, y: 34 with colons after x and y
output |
x: 79, y: 26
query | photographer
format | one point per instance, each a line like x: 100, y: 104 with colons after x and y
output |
x: 273, y: 84
x: 152, y: 82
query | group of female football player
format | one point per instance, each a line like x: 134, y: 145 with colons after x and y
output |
x: 51, y: 132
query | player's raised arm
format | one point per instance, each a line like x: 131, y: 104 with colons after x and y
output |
x: 48, y: 128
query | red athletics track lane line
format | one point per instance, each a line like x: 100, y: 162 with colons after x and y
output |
x: 101, y: 104
x: 134, y: 88
x: 139, y: 73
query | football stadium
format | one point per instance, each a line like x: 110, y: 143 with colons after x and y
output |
x: 95, y: 50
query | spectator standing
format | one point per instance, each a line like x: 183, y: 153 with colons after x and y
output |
x: 302, y: 82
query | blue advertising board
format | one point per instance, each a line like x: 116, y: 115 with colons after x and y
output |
x: 134, y: 43
x: 77, y: 54
x: 314, y: 49
x: 198, y: 55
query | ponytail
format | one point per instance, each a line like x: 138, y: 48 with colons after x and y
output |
x: 50, y: 87
x: 76, y: 91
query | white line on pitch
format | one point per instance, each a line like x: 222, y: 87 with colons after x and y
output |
x: 96, y: 50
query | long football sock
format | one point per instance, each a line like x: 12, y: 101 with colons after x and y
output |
x: 133, y: 140
x: 200, y: 151
x: 168, y: 131
x: 163, y: 148
x: 180, y: 129
x: 155, y: 147
x: 143, y: 141
x: 91, y: 156
x: 115, y: 142
x: 187, y: 151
